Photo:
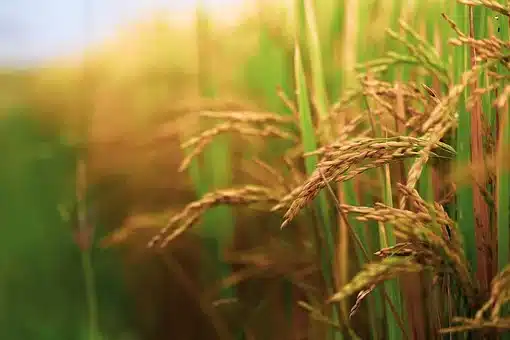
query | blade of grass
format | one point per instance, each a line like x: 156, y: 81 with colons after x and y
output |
x: 394, y: 332
x: 346, y: 191
x: 82, y: 209
x: 318, y: 82
x: 86, y: 252
x: 310, y: 144
x: 216, y: 167
x: 267, y: 71
x: 464, y: 207
x: 397, y: 8
x: 387, y: 238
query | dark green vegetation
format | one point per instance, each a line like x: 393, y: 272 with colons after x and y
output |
x: 42, y: 284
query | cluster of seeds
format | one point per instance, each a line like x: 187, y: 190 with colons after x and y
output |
x: 181, y: 222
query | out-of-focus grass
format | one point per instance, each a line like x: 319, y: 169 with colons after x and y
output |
x: 140, y: 87
x: 42, y: 286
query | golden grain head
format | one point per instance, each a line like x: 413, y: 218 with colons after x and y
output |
x: 199, y: 143
x: 376, y: 273
x: 343, y: 161
x: 189, y: 216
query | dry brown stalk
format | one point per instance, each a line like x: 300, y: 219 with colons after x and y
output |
x: 181, y: 222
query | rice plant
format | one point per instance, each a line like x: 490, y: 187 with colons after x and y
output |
x: 360, y: 192
x: 419, y: 115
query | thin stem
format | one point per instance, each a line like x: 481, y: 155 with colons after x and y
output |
x: 359, y: 243
x: 90, y: 293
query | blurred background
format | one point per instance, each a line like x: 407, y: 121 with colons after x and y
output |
x: 109, y: 88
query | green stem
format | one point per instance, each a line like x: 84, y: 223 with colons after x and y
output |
x: 465, y: 215
x: 503, y: 181
x: 503, y: 185
x: 90, y: 293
